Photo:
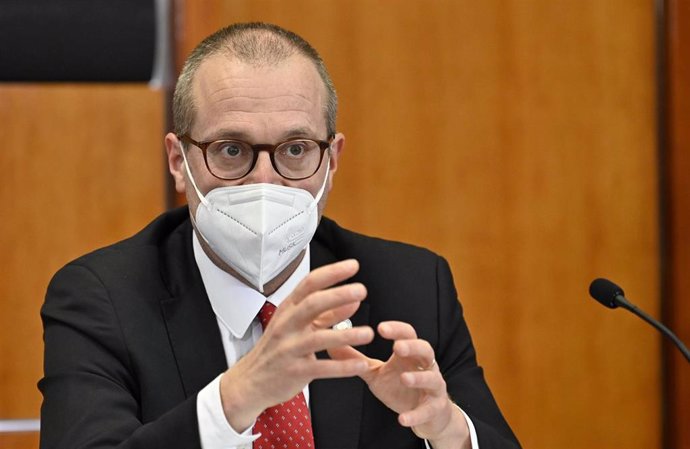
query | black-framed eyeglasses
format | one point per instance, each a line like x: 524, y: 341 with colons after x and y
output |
x: 232, y: 159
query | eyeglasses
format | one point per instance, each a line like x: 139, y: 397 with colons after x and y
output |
x: 233, y: 159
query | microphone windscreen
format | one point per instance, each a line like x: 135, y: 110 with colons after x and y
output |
x: 605, y: 292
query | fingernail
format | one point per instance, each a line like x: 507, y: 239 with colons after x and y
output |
x: 351, y: 262
x: 363, y: 333
x: 358, y: 290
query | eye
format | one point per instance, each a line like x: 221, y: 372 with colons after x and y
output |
x: 230, y: 149
x: 295, y: 149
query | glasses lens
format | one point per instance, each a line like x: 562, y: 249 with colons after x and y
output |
x: 297, y: 158
x: 229, y: 159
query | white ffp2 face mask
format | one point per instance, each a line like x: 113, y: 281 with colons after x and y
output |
x: 257, y: 229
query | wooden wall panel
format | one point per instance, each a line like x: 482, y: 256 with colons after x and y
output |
x: 518, y: 140
x: 678, y: 218
x: 82, y: 167
x: 22, y: 440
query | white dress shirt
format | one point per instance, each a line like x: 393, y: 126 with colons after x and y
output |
x: 236, y: 306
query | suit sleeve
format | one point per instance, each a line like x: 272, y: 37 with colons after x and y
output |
x: 90, y: 395
x: 465, y: 379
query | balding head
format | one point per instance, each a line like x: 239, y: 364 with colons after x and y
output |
x: 256, y: 44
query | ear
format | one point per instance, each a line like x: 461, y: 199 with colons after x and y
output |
x: 173, y: 147
x: 337, y: 146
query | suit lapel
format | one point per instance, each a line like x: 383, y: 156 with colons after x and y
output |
x: 336, y: 404
x: 191, y: 323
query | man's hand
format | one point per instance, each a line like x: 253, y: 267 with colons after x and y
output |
x: 283, y: 361
x: 410, y: 383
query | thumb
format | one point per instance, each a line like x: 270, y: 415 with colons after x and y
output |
x: 348, y: 352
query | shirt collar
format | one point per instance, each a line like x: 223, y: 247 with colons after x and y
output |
x: 235, y: 303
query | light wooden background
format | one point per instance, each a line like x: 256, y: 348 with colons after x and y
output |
x: 518, y: 139
x: 82, y: 168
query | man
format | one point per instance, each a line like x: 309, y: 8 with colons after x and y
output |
x: 235, y: 322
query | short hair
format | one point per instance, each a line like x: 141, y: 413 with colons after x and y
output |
x: 255, y: 43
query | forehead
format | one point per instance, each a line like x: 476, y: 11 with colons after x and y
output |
x: 231, y: 96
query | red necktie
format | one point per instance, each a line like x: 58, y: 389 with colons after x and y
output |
x: 286, y: 425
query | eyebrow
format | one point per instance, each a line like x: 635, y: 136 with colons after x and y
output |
x: 298, y: 132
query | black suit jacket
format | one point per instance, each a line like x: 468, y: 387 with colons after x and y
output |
x: 130, y: 338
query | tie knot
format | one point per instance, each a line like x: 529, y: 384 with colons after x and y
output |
x: 266, y: 313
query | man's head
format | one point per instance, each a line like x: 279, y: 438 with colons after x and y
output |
x: 261, y: 85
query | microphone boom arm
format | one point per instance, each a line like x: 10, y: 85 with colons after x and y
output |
x: 622, y: 302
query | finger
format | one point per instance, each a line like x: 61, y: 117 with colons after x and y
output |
x: 344, y: 352
x: 427, y: 411
x: 306, y: 311
x: 396, y: 330
x: 418, y: 350
x: 324, y: 277
x: 334, y: 316
x: 329, y: 369
x: 348, y: 352
x: 430, y: 381
x: 329, y: 338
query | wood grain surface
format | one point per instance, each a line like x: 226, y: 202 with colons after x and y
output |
x: 83, y: 167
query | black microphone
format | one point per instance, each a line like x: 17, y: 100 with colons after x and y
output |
x: 612, y: 296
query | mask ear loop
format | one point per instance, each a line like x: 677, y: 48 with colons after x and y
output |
x: 325, y: 180
x: 202, y: 198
